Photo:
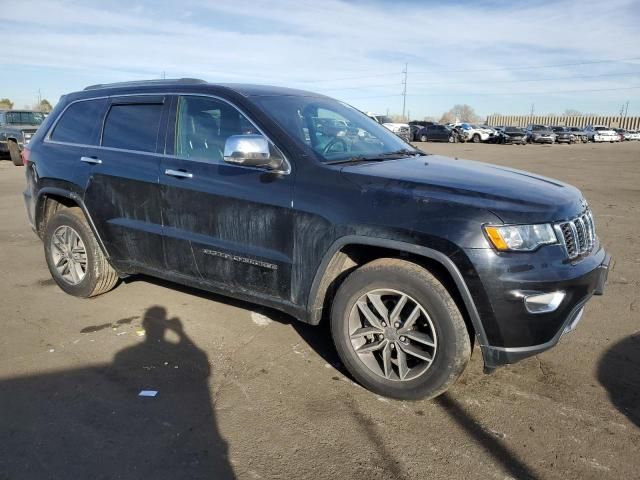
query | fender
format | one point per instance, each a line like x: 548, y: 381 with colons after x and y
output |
x: 441, y: 258
x: 78, y: 200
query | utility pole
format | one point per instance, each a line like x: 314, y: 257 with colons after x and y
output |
x: 163, y: 75
x: 626, y: 109
x: 533, y: 109
x: 39, y: 98
x: 404, y: 91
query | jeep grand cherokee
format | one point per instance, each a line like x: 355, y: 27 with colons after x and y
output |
x: 239, y: 189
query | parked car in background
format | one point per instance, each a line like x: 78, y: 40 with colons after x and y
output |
x: 579, y: 133
x: 563, y: 135
x: 400, y: 129
x: 623, y: 134
x: 512, y: 135
x: 412, y: 260
x: 414, y: 128
x: 16, y: 129
x: 540, y: 134
x: 472, y: 133
x: 633, y: 135
x: 438, y: 133
x: 601, y: 133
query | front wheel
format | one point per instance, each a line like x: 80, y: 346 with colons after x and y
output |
x: 423, y: 138
x: 476, y: 138
x: 398, y: 330
x: 14, y: 153
x: 74, y: 257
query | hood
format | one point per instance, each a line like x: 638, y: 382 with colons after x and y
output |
x: 396, y: 125
x: 513, y: 195
x: 24, y: 128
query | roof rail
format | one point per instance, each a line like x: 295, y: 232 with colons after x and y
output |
x: 169, y: 81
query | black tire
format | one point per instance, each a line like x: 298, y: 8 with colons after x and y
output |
x: 476, y: 138
x: 453, y: 341
x: 100, y: 277
x: 423, y: 138
x: 14, y: 153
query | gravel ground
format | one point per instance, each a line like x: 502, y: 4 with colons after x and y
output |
x: 248, y: 393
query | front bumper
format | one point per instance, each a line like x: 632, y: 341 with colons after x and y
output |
x: 605, y: 138
x: 512, y: 333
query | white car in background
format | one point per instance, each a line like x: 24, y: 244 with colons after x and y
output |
x: 601, y: 133
x: 400, y: 129
x: 474, y: 133
x: 632, y: 135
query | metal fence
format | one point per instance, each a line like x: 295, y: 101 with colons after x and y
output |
x: 630, y: 123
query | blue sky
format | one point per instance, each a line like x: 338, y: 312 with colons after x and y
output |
x: 495, y: 56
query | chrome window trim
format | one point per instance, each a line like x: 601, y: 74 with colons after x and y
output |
x: 48, y: 139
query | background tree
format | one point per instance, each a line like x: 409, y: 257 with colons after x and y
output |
x: 5, y: 103
x: 461, y: 113
x: 44, y: 106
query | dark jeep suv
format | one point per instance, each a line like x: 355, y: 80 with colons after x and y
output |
x: 236, y: 189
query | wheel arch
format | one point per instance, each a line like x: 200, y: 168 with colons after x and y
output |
x: 349, y: 252
x: 52, y: 199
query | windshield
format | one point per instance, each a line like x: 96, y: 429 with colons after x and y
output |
x: 24, y: 118
x: 333, y: 130
x: 384, y: 119
x: 514, y: 130
x: 600, y: 129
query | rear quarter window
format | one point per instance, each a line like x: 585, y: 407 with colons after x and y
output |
x: 132, y: 126
x: 80, y: 123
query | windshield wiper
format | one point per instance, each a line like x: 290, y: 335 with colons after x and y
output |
x: 380, y: 157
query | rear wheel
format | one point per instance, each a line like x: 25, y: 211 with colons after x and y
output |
x: 398, y: 331
x: 74, y: 257
x: 476, y: 138
x: 14, y: 153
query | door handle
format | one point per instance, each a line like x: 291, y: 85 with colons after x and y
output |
x: 91, y: 160
x: 178, y: 173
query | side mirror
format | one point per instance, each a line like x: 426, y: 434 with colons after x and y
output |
x: 251, y: 151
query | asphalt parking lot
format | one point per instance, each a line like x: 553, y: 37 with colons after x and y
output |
x: 248, y: 393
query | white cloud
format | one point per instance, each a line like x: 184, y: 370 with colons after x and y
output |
x: 306, y: 44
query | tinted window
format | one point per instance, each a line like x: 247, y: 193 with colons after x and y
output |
x: 203, y: 126
x: 24, y: 118
x: 132, y: 127
x: 80, y: 123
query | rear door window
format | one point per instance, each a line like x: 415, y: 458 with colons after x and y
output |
x: 80, y: 123
x: 133, y: 126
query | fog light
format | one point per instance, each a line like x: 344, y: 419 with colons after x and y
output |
x: 544, y: 302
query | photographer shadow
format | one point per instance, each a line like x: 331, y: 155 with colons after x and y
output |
x: 92, y: 423
x: 619, y: 373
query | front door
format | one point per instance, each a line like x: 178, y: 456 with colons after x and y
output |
x: 226, y: 225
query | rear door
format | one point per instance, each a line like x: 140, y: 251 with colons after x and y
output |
x: 226, y: 225
x: 122, y: 190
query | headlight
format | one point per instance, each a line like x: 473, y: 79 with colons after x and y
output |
x: 520, y: 238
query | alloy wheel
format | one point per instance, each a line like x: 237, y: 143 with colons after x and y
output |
x: 392, y: 334
x: 69, y: 255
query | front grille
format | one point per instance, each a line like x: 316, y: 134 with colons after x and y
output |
x: 578, y: 234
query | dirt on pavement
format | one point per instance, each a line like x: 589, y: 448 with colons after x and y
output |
x: 249, y: 393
